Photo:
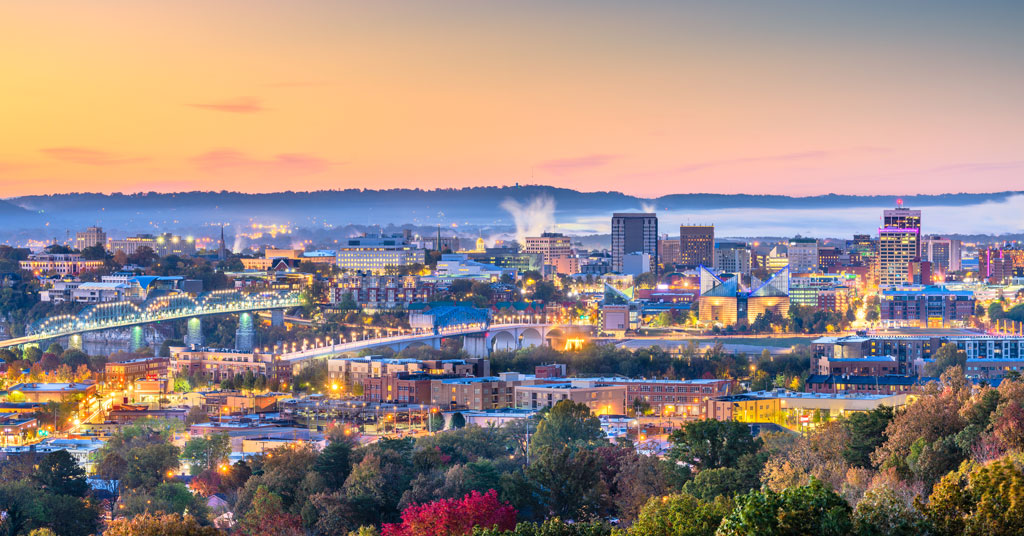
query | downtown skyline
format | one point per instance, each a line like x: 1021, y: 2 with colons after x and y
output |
x: 648, y: 100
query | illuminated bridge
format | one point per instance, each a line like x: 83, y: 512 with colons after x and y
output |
x: 124, y: 314
x: 479, y: 340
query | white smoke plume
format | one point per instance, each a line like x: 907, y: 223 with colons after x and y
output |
x: 648, y: 207
x: 533, y: 218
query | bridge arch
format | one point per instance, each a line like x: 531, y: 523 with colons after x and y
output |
x: 503, y: 341
x: 530, y: 337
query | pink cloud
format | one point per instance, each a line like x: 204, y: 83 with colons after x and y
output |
x: 227, y: 160
x: 90, y: 157
x: 582, y: 163
x: 238, y: 105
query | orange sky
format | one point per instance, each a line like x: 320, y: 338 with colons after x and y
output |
x: 649, y: 99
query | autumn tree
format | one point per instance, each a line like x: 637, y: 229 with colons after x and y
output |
x: 454, y: 517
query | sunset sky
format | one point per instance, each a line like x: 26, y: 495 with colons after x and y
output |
x: 648, y: 98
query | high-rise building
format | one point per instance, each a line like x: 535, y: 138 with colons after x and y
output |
x: 696, y: 245
x: 803, y: 255
x: 899, y: 242
x: 556, y: 251
x: 943, y: 253
x: 634, y: 232
x: 668, y: 251
x: 93, y: 236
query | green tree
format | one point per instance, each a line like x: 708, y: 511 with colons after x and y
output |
x: 796, y: 511
x: 60, y: 474
x: 567, y: 423
x: 334, y: 463
x: 570, y: 482
x: 457, y: 421
x: 206, y: 452
x: 866, y: 429
x: 710, y: 444
x: 945, y: 358
x: 680, y: 515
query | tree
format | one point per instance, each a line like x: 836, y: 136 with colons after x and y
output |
x: 206, y: 452
x: 267, y: 517
x: 884, y: 512
x: 457, y: 421
x: 710, y: 443
x: 454, y: 517
x: 570, y: 482
x: 639, y: 477
x: 60, y: 474
x: 800, y: 510
x: 567, y: 423
x: 139, y: 455
x: 978, y: 499
x: 334, y: 463
x: 866, y: 429
x: 159, y: 525
x: 680, y: 515
x: 69, y: 516
x: 196, y: 414
x: 946, y: 357
x: 551, y: 527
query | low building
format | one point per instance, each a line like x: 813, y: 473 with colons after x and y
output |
x: 925, y: 306
x: 456, y: 266
x: 496, y: 417
x: 17, y: 428
x: 479, y: 393
x: 601, y: 398
x: 123, y: 414
x: 121, y: 373
x: 869, y: 384
x: 350, y: 371
x: 53, y: 392
x: 797, y: 410
x: 219, y: 363
x: 59, y: 263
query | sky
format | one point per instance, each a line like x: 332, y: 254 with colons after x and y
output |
x: 647, y: 98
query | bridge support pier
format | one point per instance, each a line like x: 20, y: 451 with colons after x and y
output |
x: 245, y: 335
x: 75, y: 341
x: 476, y: 345
x: 277, y: 317
x: 138, y: 338
x: 194, y: 335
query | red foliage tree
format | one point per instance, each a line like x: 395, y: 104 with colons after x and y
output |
x: 454, y: 517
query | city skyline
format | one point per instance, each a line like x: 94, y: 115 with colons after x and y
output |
x: 651, y: 100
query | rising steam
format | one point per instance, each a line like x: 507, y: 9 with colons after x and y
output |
x: 648, y: 207
x: 535, y: 217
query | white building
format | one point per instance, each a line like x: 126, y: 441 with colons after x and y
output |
x: 377, y: 254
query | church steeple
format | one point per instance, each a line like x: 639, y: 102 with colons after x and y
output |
x: 222, y: 253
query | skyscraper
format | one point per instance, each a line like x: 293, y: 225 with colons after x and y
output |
x: 899, y: 242
x: 803, y: 255
x: 696, y: 245
x: 634, y: 232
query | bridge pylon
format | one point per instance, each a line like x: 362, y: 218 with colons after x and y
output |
x: 245, y: 335
x: 194, y: 333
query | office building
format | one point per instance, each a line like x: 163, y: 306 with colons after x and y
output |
x: 899, y: 242
x: 732, y: 258
x: 634, y: 233
x: 378, y: 254
x: 998, y: 265
x: 668, y: 251
x: 556, y: 251
x: 696, y: 246
x: 92, y: 236
x: 943, y: 253
x: 509, y: 258
x: 803, y: 255
x: 163, y: 244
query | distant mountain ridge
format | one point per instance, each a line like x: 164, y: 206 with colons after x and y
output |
x: 477, y: 207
